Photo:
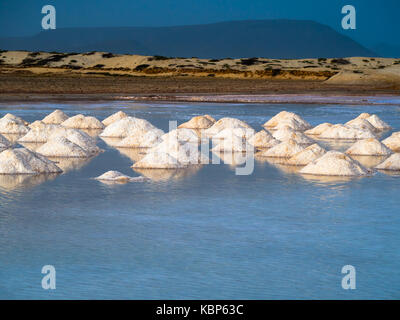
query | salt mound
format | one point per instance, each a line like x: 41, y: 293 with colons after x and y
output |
x: 225, y: 123
x: 393, y: 142
x: 232, y: 143
x: 23, y: 161
x: 335, y: 163
x: 116, y: 176
x: 306, y: 156
x: 245, y: 133
x: 286, y: 133
x: 285, y: 149
x: 210, y: 118
x: 40, y: 132
x: 181, y: 135
x: 63, y: 148
x: 291, y: 123
x: 184, y: 153
x: 369, y: 161
x: 263, y: 140
x: 158, y: 160
x: 56, y: 117
x: 42, y: 135
x: 361, y: 124
x: 147, y: 139
x: 369, y: 147
x: 4, y: 143
x: 378, y: 123
x: 392, y: 163
x: 375, y: 121
x: 114, y: 117
x: 128, y: 126
x: 37, y: 124
x: 82, y: 122
x: 318, y: 129
x: 363, y: 115
x: 199, y: 122
x: 339, y: 131
x: 12, y: 126
x: 10, y: 116
x: 283, y: 116
x: 78, y: 137
x: 189, y: 154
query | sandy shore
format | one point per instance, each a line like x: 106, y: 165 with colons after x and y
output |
x: 27, y: 76
x: 58, y: 88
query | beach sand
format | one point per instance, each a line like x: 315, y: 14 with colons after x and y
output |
x: 34, y: 75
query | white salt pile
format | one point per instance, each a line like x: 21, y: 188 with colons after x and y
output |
x: 116, y: 176
x: 369, y: 147
x: 286, y: 133
x: 285, y: 149
x: 13, y: 125
x: 291, y: 123
x: 78, y: 137
x: 114, y: 117
x: 172, y: 154
x: 128, y: 126
x: 147, y: 139
x: 335, y: 163
x: 363, y: 115
x: 316, y: 131
x: 378, y: 123
x: 374, y: 120
x: 56, y: 117
x: 392, y: 163
x: 17, y: 119
x: 199, y: 122
x: 245, y: 133
x: 341, y: 132
x: 63, y: 148
x: 44, y: 132
x: 228, y: 141
x: 40, y: 132
x: 37, y: 124
x: 307, y: 155
x: 361, y: 124
x: 158, y: 160
x: 393, y: 142
x: 181, y: 135
x: 4, y: 143
x: 263, y: 140
x: 225, y: 123
x: 184, y: 153
x: 287, y: 118
x: 82, y: 122
x: 369, y: 161
x: 23, y: 161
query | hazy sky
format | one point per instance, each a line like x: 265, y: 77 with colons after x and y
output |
x: 377, y: 21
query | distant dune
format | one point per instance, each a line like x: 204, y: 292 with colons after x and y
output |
x: 273, y: 39
x: 335, y: 70
x: 106, y: 73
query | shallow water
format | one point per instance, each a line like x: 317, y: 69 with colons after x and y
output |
x: 204, y: 233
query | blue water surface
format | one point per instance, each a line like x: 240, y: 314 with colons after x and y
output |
x: 202, y: 234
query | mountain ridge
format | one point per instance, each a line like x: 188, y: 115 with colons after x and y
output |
x: 284, y: 39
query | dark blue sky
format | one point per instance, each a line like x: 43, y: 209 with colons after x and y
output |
x: 377, y: 21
